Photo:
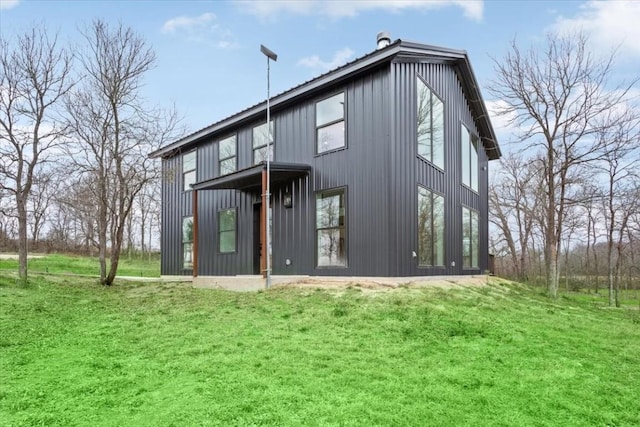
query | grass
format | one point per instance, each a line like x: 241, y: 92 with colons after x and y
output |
x: 73, y: 353
x: 83, y: 265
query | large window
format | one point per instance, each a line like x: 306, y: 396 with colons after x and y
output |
x: 227, y: 155
x: 469, y: 159
x: 330, y: 228
x: 330, y: 123
x: 189, y: 169
x: 187, y: 242
x: 430, y: 228
x: 227, y: 230
x: 430, y: 127
x: 261, y: 142
x: 469, y: 238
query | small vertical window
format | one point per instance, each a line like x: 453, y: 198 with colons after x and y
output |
x: 227, y: 149
x: 470, y: 241
x: 469, y: 147
x: 430, y: 228
x: 330, y: 229
x: 261, y: 143
x: 430, y: 125
x: 227, y: 230
x: 187, y: 242
x: 330, y: 124
x: 189, y: 169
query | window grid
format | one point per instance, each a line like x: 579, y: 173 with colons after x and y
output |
x: 189, y: 161
x: 187, y: 242
x: 260, y: 142
x: 330, y: 124
x: 469, y: 147
x: 430, y: 124
x: 470, y: 238
x: 227, y: 230
x: 430, y: 228
x: 331, y: 229
x: 227, y: 155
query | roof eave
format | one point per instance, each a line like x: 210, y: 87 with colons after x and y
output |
x: 370, y: 61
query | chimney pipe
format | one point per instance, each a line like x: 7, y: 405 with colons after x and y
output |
x: 384, y: 39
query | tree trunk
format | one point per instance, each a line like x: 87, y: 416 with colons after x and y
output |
x: 22, y: 239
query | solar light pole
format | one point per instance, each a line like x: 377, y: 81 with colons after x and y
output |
x: 270, y: 56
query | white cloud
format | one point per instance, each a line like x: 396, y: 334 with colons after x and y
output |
x: 269, y: 9
x: 203, y: 28
x: 500, y: 119
x: 608, y: 24
x: 8, y: 4
x: 339, y: 58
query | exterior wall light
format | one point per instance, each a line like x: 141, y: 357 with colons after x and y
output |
x: 287, y: 200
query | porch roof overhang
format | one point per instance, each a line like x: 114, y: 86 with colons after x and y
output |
x: 250, y: 178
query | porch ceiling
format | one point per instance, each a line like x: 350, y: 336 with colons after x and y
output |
x: 251, y: 178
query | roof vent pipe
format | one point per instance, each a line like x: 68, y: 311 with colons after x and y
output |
x: 384, y: 39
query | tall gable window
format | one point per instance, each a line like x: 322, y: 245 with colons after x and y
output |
x: 330, y: 134
x: 187, y: 242
x: 469, y: 238
x: 261, y: 142
x: 430, y: 128
x: 189, y: 169
x: 227, y: 230
x: 227, y: 150
x: 469, y: 159
x: 330, y: 229
x: 430, y: 228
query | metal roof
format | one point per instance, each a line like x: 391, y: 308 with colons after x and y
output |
x: 400, y: 50
x: 251, y: 178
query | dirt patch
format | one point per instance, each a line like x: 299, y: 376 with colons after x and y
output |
x: 383, y: 285
x: 15, y: 256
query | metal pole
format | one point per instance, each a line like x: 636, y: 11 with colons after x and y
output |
x: 270, y: 55
x: 268, y: 195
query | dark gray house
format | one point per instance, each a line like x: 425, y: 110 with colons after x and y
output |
x: 379, y: 168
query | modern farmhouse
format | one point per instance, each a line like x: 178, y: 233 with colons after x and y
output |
x: 378, y: 168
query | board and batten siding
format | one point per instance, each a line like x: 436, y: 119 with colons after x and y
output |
x: 359, y: 168
x: 379, y: 169
x: 408, y: 170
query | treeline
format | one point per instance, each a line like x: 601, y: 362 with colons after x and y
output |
x: 62, y: 218
x: 566, y: 202
x: 75, y: 133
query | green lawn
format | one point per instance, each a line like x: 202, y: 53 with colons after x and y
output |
x: 70, y: 264
x: 73, y: 353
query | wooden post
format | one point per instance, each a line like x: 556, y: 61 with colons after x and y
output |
x: 263, y: 226
x: 195, y: 233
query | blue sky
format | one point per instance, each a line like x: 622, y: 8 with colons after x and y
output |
x: 208, y: 59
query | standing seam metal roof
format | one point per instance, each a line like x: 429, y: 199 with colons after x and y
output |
x: 358, y: 65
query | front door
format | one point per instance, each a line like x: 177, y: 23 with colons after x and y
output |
x: 257, y: 246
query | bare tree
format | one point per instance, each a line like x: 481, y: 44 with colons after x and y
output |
x: 619, y: 165
x: 514, y: 199
x: 34, y: 77
x: 114, y: 131
x: 555, y: 97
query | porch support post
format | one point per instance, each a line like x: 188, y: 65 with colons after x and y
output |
x: 195, y: 233
x: 263, y: 226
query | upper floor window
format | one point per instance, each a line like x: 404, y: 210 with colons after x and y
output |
x: 469, y: 159
x: 187, y: 242
x: 227, y: 150
x: 261, y: 142
x: 227, y: 230
x: 470, y: 245
x: 330, y: 229
x: 430, y: 128
x: 189, y: 169
x: 330, y: 133
x: 430, y: 228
